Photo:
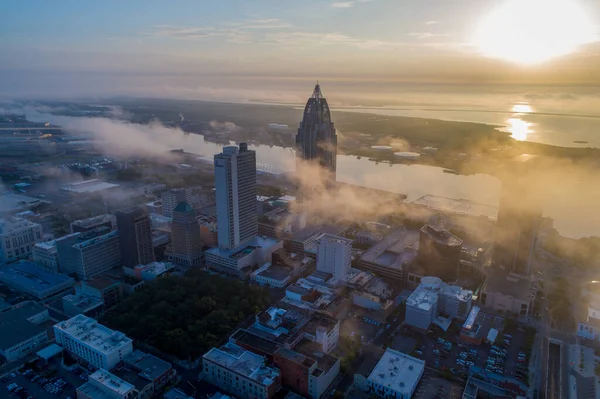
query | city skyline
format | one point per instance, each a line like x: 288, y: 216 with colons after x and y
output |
x: 238, y: 50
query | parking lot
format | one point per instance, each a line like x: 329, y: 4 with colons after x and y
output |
x: 42, y: 383
x: 445, y: 352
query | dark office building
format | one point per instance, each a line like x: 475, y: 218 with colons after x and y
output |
x: 316, y: 140
x: 439, y: 253
x: 135, y: 237
x: 519, y: 218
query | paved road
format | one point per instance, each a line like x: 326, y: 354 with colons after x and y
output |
x: 553, y: 390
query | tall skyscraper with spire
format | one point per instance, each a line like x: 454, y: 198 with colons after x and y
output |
x: 316, y: 141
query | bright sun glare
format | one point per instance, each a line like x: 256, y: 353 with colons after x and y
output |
x: 534, y: 31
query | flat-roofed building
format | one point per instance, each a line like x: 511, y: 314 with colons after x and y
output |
x: 45, y: 255
x: 88, y: 187
x: 150, y: 271
x: 156, y: 370
x: 393, y: 256
x: 135, y: 237
x: 89, y: 254
x: 26, y: 277
x: 238, y: 261
x: 78, y: 303
x: 303, y: 242
x: 434, y: 301
x: 274, y: 276
x: 240, y: 372
x: 91, y: 342
x: 508, y: 292
x: 84, y: 225
x: 105, y: 385
x: 17, y: 238
x: 186, y: 246
x: 20, y: 330
x: 396, y: 375
x: 109, y: 290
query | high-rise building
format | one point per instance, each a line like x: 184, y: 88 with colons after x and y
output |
x: 439, y: 252
x: 519, y: 219
x: 17, y: 238
x: 334, y: 256
x: 316, y: 141
x: 171, y: 198
x: 186, y: 246
x: 89, y: 254
x: 235, y: 182
x: 135, y: 237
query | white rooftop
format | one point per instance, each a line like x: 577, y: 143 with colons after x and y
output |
x: 88, y: 186
x: 398, y: 372
x: 94, y: 334
x: 243, y: 362
x: 15, y: 224
x: 423, y: 298
x: 111, y: 382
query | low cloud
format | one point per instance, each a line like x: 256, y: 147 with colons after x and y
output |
x: 348, y: 4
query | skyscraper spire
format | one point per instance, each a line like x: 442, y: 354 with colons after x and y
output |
x: 316, y: 141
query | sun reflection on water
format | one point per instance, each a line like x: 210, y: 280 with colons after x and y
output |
x: 519, y: 129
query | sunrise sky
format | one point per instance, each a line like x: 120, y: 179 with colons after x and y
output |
x: 193, y: 48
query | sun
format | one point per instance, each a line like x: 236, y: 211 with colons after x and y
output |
x: 534, y: 31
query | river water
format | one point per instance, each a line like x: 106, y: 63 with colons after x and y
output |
x: 573, y: 219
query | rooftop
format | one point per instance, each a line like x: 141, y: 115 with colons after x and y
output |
x: 398, y: 372
x: 423, y: 298
x: 150, y: 366
x: 96, y: 240
x: 14, y: 224
x: 441, y: 235
x: 245, y: 249
x: 278, y: 273
x: 94, y: 334
x: 315, y: 231
x: 14, y: 326
x: 88, y: 186
x: 313, y: 351
x: 255, y: 341
x: 83, y: 302
x: 458, y: 206
x: 14, y: 202
x: 508, y: 284
x: 111, y: 382
x: 243, y: 362
x: 95, y: 220
x: 100, y: 282
x: 32, y: 279
x: 155, y: 268
x: 396, y: 249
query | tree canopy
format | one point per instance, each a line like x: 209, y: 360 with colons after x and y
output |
x: 186, y: 316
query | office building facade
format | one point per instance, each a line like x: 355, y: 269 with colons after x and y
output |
x: 235, y: 183
x: 316, y: 141
x: 89, y: 254
x: 186, y: 246
x: 17, y: 238
x: 135, y: 237
x: 334, y: 256
x: 439, y: 252
x: 171, y: 198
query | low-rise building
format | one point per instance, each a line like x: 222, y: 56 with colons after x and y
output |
x: 239, y: 261
x: 45, y: 255
x: 508, y: 293
x: 393, y: 256
x: 396, y: 375
x: 79, y: 303
x: 92, y: 343
x: 274, y: 276
x: 240, y: 372
x: 20, y: 330
x: 303, y: 242
x: 84, y: 225
x: 104, y: 385
x: 434, y: 301
x: 108, y: 290
x: 156, y: 370
x: 17, y: 238
x: 150, y: 271
x: 590, y: 328
x: 26, y: 277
